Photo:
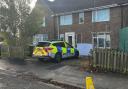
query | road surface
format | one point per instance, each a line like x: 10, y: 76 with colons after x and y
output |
x: 10, y: 80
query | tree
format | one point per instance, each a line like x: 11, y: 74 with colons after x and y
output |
x: 32, y: 24
x: 18, y: 22
x: 13, y: 17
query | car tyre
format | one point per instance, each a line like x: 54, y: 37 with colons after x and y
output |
x: 40, y: 59
x: 76, y: 54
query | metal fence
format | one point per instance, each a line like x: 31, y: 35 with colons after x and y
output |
x: 110, y: 60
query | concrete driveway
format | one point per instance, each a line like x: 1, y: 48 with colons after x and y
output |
x: 10, y: 80
x: 63, y: 73
x: 67, y: 72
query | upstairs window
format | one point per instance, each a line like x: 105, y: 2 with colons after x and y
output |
x: 66, y: 20
x: 81, y: 18
x: 101, y: 15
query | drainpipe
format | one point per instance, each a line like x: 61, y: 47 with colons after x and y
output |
x: 58, y: 28
x: 122, y: 18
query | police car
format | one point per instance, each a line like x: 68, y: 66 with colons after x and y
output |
x: 56, y: 50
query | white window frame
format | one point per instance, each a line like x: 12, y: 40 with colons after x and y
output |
x: 62, y: 37
x: 97, y: 38
x: 44, y: 22
x: 39, y: 38
x: 96, y: 17
x: 81, y: 16
x: 64, y: 20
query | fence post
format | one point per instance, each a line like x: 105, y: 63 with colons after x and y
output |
x: 125, y: 63
x: 118, y: 61
x: 94, y: 58
x: 108, y: 58
x: 102, y: 59
x: 105, y: 60
x: 121, y: 62
x: 111, y: 60
x: 99, y: 57
x: 115, y: 60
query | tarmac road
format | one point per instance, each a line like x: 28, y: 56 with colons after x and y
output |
x: 9, y: 69
x: 10, y: 80
x: 65, y: 71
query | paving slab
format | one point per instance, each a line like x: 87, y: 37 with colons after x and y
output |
x: 110, y: 81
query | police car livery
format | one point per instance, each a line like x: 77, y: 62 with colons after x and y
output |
x: 54, y: 50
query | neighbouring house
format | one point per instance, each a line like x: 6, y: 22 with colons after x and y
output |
x: 95, y: 22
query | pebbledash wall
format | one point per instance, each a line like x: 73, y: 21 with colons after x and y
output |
x: 85, y: 32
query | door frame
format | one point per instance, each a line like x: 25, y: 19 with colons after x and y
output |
x: 73, y: 38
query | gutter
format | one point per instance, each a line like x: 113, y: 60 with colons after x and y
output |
x: 91, y: 9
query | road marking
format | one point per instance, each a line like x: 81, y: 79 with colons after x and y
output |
x: 89, y: 83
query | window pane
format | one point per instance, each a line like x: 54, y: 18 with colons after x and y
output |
x: 107, y: 40
x: 94, y: 35
x: 101, y: 15
x: 101, y: 36
x: 61, y: 20
x: 101, y: 42
x: 78, y: 38
x: 45, y: 37
x: 61, y: 44
x: 66, y: 20
x: 62, y: 37
x: 95, y: 42
x: 93, y: 16
x: 81, y: 18
x: 43, y: 44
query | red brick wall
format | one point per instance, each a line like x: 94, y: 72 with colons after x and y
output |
x: 85, y: 30
x: 88, y: 27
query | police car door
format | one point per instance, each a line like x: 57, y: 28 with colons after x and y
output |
x: 70, y: 50
x: 61, y: 48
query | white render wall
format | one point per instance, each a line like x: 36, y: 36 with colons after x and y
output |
x: 84, y: 48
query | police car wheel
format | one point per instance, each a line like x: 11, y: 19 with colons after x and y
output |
x: 76, y: 54
x: 58, y: 57
x: 40, y: 59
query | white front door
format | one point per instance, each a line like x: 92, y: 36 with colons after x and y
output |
x: 70, y: 38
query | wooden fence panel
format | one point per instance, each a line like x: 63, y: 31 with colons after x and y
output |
x: 110, y: 60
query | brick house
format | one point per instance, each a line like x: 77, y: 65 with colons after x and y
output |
x: 94, y: 22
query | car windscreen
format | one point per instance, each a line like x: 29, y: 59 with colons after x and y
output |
x: 43, y: 44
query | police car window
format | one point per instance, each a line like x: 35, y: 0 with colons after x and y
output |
x: 69, y: 46
x: 60, y: 44
x: 43, y: 44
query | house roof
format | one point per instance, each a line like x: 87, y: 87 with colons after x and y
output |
x: 62, y: 6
